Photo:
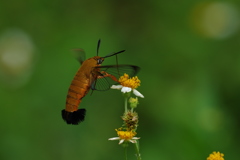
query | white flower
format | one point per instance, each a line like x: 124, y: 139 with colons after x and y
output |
x: 128, y: 84
x: 125, y: 136
x: 133, y: 140
x: 127, y: 89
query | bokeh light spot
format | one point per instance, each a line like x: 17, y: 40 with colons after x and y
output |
x: 16, y: 58
x: 217, y: 20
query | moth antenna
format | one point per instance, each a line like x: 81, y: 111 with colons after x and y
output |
x: 98, y: 45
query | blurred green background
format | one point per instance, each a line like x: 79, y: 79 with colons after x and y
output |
x: 189, y: 56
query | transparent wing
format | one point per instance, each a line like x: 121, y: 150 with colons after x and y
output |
x: 79, y: 54
x: 110, y: 73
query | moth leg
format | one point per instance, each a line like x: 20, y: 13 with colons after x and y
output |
x: 105, y: 74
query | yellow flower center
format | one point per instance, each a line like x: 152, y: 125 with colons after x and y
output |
x: 126, y: 135
x: 133, y: 82
x: 216, y: 156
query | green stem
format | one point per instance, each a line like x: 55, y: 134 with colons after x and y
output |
x: 137, y: 150
x: 126, y: 101
x: 125, y: 151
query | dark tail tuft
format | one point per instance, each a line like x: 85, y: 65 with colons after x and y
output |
x: 74, y: 117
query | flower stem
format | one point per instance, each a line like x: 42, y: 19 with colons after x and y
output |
x: 125, y: 151
x: 137, y: 150
x: 126, y: 101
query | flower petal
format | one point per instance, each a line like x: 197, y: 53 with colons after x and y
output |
x: 126, y: 89
x: 133, y: 141
x: 116, y: 86
x: 121, y: 141
x: 136, y: 138
x: 114, y: 138
x: 137, y: 93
